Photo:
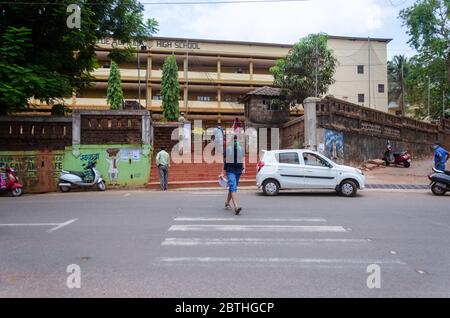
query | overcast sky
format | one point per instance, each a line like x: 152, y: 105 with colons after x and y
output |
x: 284, y: 22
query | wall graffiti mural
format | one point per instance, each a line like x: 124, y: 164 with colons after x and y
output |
x: 334, y: 145
x: 113, y: 158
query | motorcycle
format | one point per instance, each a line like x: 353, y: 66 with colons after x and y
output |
x: 440, y: 181
x: 11, y: 183
x: 71, y: 179
x: 397, y: 158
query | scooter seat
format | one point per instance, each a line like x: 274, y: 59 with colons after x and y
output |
x: 78, y: 173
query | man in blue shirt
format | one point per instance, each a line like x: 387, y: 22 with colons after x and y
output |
x: 440, y: 156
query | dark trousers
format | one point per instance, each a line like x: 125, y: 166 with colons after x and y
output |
x: 163, y: 177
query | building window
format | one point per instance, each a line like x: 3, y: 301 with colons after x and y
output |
x: 380, y: 88
x: 360, y: 98
x: 360, y: 69
x: 157, y: 97
x: 204, y: 98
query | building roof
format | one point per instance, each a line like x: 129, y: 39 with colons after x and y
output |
x: 265, y: 91
x: 350, y: 38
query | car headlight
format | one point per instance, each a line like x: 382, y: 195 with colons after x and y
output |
x: 359, y: 171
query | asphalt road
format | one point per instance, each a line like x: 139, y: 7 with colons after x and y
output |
x: 185, y: 244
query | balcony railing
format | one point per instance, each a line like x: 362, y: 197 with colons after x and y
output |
x: 132, y: 75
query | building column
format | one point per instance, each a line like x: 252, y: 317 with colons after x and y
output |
x: 149, y: 96
x: 219, y: 96
x: 149, y: 76
x: 250, y: 67
x: 219, y: 68
x: 186, y: 78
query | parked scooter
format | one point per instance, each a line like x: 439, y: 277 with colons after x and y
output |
x: 72, y: 179
x: 397, y: 158
x: 11, y: 183
x: 440, y: 181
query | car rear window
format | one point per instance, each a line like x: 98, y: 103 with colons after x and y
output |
x: 288, y: 157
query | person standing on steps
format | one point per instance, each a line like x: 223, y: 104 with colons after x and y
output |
x: 163, y: 163
x: 233, y: 168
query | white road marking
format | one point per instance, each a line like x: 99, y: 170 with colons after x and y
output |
x: 200, y: 219
x: 61, y: 226
x: 127, y: 194
x: 276, y: 260
x: 30, y: 224
x: 56, y: 226
x: 257, y: 228
x: 251, y: 241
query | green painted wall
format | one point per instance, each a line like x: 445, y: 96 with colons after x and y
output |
x: 119, y: 165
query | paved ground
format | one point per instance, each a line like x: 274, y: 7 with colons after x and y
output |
x: 184, y: 244
x: 416, y: 174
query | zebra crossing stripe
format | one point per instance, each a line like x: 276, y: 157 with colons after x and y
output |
x: 254, y: 241
x: 276, y: 260
x: 257, y: 228
x: 200, y: 219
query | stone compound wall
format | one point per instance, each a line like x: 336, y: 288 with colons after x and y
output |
x: 351, y: 133
x: 38, y: 148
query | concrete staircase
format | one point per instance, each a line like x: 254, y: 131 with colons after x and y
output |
x: 194, y: 175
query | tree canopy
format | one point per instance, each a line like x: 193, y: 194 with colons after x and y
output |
x: 114, y: 92
x: 428, y: 23
x: 170, y: 89
x: 41, y: 57
x: 308, y: 63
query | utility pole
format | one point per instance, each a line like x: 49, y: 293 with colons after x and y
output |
x: 429, y: 96
x: 317, y: 68
x: 403, y: 91
x: 370, y: 78
x: 139, y: 72
x: 186, y: 102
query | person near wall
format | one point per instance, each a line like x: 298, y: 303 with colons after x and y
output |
x: 233, y: 168
x: 236, y: 126
x: 441, y: 156
x: 163, y: 163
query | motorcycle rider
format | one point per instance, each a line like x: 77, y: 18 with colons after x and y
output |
x: 441, y: 156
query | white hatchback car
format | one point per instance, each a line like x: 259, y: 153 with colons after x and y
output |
x: 305, y: 169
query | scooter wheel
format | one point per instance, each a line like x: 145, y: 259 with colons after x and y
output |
x: 437, y: 189
x: 64, y: 188
x: 406, y: 164
x: 17, y: 192
x: 101, y: 186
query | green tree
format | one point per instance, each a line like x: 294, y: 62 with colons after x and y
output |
x: 114, y: 92
x: 306, y: 71
x: 428, y: 23
x: 42, y: 57
x: 170, y: 89
x: 398, y: 71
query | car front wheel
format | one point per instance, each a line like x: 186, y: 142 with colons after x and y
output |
x: 348, y: 188
x: 271, y: 187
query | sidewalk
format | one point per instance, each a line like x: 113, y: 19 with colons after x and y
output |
x: 416, y: 174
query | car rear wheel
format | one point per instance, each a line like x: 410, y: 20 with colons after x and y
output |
x: 271, y: 187
x: 438, y: 189
x: 348, y: 188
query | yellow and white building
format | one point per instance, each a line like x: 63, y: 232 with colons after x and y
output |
x: 213, y: 75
